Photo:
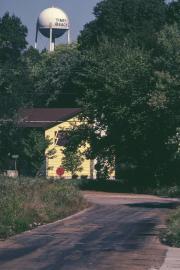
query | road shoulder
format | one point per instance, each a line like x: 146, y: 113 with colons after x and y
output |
x: 172, y: 260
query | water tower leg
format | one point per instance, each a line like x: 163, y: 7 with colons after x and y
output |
x: 53, y: 45
x: 36, y: 39
x: 52, y: 42
x: 69, y: 37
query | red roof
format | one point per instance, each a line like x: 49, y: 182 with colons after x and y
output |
x: 45, y: 117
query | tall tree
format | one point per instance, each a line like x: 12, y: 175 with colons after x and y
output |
x: 130, y: 103
x: 13, y: 72
x: 173, y: 12
x: 165, y: 100
x: 52, y: 77
x: 14, y: 87
x: 12, y: 38
x: 114, y: 84
x: 137, y: 20
x: 128, y: 80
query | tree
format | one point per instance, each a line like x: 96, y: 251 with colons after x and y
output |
x: 32, y: 152
x: 13, y: 81
x: 12, y: 38
x: 130, y: 103
x: 128, y: 82
x: 174, y: 12
x: 72, y: 161
x: 114, y: 83
x: 31, y: 58
x: 15, y: 89
x: 137, y: 20
x: 13, y: 74
x: 14, y: 86
x: 52, y: 77
x: 166, y: 99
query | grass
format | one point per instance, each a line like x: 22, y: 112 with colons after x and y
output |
x: 171, y: 235
x: 26, y: 203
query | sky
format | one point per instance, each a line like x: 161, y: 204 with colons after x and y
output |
x: 79, y: 11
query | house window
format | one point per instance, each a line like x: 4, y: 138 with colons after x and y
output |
x: 61, y: 138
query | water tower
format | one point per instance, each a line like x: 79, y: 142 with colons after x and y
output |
x: 52, y: 23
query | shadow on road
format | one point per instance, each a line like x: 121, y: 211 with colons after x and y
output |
x: 121, y: 236
x: 9, y: 254
x: 166, y: 205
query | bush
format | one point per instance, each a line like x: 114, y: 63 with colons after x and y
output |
x: 26, y: 203
x: 116, y: 186
x: 100, y: 185
x: 167, y: 191
x: 171, y: 235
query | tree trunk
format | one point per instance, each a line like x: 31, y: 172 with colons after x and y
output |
x: 117, y: 165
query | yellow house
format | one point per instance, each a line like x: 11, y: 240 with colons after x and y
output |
x: 54, y: 155
x: 55, y: 123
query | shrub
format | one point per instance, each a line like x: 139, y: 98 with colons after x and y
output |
x: 167, y: 191
x: 26, y: 203
x: 171, y: 235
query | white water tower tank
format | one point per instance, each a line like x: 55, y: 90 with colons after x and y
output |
x: 52, y: 23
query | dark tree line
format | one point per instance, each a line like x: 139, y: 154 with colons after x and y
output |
x: 15, y: 84
x: 128, y: 85
x: 124, y: 73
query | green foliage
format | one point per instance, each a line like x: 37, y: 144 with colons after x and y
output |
x: 114, y: 85
x: 125, y: 77
x: 27, y: 203
x: 171, y: 235
x: 103, y: 166
x: 136, y: 20
x: 16, y: 89
x: 62, y: 199
x: 14, y: 79
x: 129, y: 88
x: 14, y: 84
x: 114, y: 186
x: 72, y: 161
x: 12, y: 38
x: 32, y: 152
x: 174, y: 142
x: 172, y: 191
x: 173, y: 12
x: 32, y: 57
x: 28, y: 144
x: 52, y: 78
x: 167, y: 66
x: 9, y: 146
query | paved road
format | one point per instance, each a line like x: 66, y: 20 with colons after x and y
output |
x: 118, y: 233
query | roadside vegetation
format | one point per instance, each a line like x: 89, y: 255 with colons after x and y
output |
x: 171, y: 235
x: 167, y: 191
x: 27, y: 203
x: 121, y: 186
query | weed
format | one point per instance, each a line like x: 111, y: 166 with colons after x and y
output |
x: 26, y: 203
x: 171, y: 235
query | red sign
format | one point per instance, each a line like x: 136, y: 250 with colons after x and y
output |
x: 60, y: 171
